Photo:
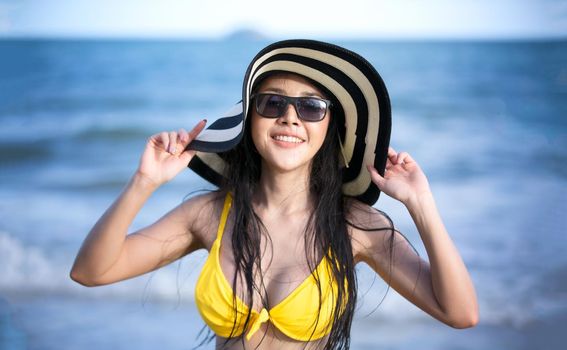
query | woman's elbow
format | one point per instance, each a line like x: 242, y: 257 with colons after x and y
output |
x: 468, y: 320
x: 77, y: 277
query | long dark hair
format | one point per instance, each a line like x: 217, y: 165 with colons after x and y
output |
x: 326, y: 232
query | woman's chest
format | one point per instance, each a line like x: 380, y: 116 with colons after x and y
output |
x: 283, y: 267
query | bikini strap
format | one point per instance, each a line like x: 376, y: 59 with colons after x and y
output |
x: 224, y: 215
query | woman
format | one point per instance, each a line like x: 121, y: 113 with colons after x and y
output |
x: 298, y: 162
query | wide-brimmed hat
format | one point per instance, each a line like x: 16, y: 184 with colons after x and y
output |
x: 355, y: 86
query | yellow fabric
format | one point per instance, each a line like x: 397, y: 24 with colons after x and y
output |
x: 295, y: 316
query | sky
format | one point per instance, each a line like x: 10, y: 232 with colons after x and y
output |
x: 337, y: 19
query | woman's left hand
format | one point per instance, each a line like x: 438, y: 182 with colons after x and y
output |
x: 403, y: 178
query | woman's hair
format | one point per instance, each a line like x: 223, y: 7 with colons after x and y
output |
x: 326, y: 233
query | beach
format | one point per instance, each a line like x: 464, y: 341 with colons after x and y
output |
x: 485, y: 120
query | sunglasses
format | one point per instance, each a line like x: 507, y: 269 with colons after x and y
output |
x: 309, y: 109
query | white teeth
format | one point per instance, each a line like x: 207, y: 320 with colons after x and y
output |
x: 288, y: 139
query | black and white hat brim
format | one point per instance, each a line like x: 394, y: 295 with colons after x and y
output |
x: 354, y: 84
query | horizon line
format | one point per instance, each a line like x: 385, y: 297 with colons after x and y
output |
x: 256, y: 36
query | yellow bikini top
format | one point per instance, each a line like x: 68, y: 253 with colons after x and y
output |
x: 295, y: 316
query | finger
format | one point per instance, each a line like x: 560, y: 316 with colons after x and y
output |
x: 408, y: 159
x: 392, y: 154
x: 183, y: 136
x: 172, y: 142
x: 164, y: 138
x: 401, y: 157
x: 391, y: 151
x: 375, y: 176
x: 155, y: 138
x: 197, y: 129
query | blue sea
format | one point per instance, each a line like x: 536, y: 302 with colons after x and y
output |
x: 487, y: 121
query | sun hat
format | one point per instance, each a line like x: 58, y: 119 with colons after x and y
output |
x: 357, y: 89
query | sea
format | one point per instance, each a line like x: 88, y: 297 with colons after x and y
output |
x: 486, y: 121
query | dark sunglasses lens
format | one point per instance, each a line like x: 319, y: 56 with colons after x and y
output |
x: 270, y: 106
x: 311, y: 109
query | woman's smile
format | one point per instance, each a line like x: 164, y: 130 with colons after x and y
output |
x: 286, y: 140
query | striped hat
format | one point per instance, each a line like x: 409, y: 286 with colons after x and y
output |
x: 354, y: 85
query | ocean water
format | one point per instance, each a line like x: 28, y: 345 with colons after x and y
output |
x: 487, y: 121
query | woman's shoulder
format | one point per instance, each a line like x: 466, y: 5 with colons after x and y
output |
x: 362, y: 216
x: 368, y: 227
x: 204, y: 211
x: 208, y: 199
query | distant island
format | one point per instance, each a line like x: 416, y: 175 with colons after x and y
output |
x: 245, y: 34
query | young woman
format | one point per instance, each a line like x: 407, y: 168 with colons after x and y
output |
x: 299, y: 162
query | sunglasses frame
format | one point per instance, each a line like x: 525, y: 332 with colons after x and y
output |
x: 293, y: 101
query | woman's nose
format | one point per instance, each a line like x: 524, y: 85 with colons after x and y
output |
x: 289, y: 116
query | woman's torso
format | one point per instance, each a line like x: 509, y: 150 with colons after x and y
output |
x: 284, y: 268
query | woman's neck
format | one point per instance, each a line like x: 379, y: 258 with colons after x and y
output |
x: 283, y: 192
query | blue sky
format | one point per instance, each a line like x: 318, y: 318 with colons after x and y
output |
x: 340, y: 19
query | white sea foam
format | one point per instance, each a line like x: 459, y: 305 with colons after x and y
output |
x: 23, y: 266
x: 28, y: 271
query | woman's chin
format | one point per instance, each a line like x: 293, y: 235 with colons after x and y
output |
x: 283, y: 165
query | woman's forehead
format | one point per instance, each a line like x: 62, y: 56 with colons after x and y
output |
x: 282, y: 79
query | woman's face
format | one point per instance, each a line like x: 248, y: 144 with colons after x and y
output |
x: 288, y: 143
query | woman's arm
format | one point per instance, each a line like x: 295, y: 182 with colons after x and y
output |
x: 442, y: 287
x: 108, y: 254
x: 450, y: 280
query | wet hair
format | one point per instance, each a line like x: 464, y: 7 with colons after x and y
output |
x: 326, y: 232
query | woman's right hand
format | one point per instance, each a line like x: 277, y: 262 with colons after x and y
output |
x: 165, y: 155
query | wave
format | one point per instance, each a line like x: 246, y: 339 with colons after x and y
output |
x: 11, y: 153
x: 112, y: 134
x: 30, y: 271
x: 27, y: 271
